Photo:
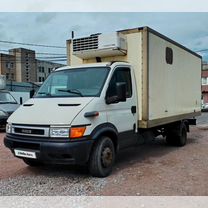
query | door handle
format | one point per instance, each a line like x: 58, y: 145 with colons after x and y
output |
x: 133, y: 109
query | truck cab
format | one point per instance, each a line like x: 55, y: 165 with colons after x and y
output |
x: 75, y: 110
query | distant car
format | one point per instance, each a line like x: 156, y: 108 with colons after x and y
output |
x: 7, y: 106
x: 205, y: 107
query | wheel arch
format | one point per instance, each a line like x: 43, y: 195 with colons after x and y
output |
x: 106, y: 129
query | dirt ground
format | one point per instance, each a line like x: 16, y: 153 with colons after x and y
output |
x: 150, y: 169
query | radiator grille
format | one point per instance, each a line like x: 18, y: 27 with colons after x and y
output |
x: 84, y: 44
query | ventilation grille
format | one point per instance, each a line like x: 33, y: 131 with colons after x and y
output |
x: 84, y: 44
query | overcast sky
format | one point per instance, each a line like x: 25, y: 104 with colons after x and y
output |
x: 189, y: 29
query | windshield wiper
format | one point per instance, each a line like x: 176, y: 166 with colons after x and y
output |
x: 73, y: 91
x: 9, y: 102
x: 44, y: 93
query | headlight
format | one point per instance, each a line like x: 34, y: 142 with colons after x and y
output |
x: 59, y: 132
x: 2, y: 113
x: 9, y: 128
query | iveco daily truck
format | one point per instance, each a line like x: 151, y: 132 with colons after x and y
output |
x: 118, y: 89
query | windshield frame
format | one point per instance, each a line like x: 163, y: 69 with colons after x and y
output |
x: 69, y: 96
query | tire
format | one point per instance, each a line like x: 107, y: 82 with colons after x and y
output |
x: 182, y: 138
x: 32, y: 163
x: 102, y: 158
x: 178, y: 138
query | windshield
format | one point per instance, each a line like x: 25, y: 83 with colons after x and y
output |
x: 6, y: 97
x: 81, y: 82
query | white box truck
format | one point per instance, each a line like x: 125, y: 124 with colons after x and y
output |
x: 118, y: 89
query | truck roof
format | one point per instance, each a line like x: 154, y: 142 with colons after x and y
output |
x: 101, y: 64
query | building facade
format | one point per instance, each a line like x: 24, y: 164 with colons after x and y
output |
x: 21, y: 65
x: 8, y: 66
x: 44, y: 68
x: 205, y: 83
x: 25, y: 64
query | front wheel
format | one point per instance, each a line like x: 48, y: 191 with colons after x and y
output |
x: 102, y: 158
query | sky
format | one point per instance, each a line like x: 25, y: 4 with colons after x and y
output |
x: 107, y: 5
x: 54, y: 28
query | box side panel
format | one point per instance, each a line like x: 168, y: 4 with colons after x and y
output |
x: 174, y: 89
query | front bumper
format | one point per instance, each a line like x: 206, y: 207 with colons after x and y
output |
x: 52, y: 150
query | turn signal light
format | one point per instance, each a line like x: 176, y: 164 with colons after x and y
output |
x: 77, y: 132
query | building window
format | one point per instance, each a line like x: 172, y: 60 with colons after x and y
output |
x: 7, y: 75
x: 169, y: 55
x: 43, y: 69
x: 8, y: 65
x: 12, y: 65
x: 204, y: 80
x: 49, y: 70
x: 41, y: 79
x: 39, y: 69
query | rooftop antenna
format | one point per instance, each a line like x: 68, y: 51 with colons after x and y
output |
x: 72, y: 35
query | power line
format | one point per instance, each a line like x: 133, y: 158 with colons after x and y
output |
x: 31, y: 44
x: 42, y: 53
x: 50, y: 57
x: 201, y: 50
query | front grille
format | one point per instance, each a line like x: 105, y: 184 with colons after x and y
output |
x: 29, y: 131
x: 83, y: 44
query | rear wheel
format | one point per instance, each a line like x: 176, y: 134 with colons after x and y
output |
x: 32, y: 162
x: 102, y: 158
x: 178, y: 136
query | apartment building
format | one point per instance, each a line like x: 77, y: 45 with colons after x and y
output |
x: 205, y: 83
x: 21, y: 65
x: 25, y: 64
x: 8, y: 66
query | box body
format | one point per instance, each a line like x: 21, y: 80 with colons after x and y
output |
x: 167, y: 92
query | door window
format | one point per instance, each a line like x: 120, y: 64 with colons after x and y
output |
x: 120, y: 75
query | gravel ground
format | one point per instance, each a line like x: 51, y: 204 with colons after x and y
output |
x: 151, y: 169
x: 51, y: 185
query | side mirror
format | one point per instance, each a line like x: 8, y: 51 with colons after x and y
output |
x: 32, y: 92
x: 21, y: 101
x: 120, y: 94
x: 121, y: 91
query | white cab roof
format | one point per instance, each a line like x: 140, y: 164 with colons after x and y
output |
x: 102, y: 64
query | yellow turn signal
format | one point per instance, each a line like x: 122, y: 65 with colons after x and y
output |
x: 77, y: 132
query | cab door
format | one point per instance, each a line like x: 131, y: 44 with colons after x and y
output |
x: 123, y: 114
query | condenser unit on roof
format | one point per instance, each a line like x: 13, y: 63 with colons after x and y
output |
x: 100, y: 45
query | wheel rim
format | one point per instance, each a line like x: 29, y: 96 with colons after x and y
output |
x: 107, y: 157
